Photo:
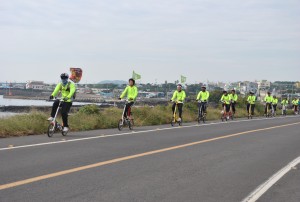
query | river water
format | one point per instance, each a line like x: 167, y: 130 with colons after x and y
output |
x: 20, y: 102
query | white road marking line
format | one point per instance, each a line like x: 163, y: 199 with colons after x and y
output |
x: 263, y: 188
x: 140, y: 132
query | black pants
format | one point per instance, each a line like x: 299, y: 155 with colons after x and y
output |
x: 65, y: 109
x: 233, y: 107
x: 269, y: 106
x: 274, y: 107
x: 227, y: 106
x: 128, y: 109
x: 180, y: 105
x: 252, y: 108
x: 204, y: 106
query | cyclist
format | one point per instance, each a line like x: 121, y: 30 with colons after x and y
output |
x: 284, y: 104
x: 233, y: 99
x: 67, y: 90
x: 203, y: 96
x: 225, y: 99
x: 251, y: 102
x: 131, y: 91
x: 268, y: 102
x: 274, y: 103
x: 178, y: 98
x: 295, y: 104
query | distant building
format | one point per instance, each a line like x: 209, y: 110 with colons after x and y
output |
x: 264, y: 84
x: 297, y: 85
x: 19, y: 86
x: 37, y: 85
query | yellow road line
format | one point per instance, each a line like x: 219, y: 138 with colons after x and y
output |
x: 73, y: 170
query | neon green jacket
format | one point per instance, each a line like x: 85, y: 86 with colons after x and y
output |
x: 233, y: 97
x: 226, y: 99
x: 284, y: 102
x: 178, y: 96
x: 295, y: 102
x: 251, y: 99
x: 203, y: 96
x: 66, y: 91
x: 275, y: 101
x: 131, y: 92
x: 269, y: 99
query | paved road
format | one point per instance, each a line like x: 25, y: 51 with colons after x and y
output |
x: 215, y: 162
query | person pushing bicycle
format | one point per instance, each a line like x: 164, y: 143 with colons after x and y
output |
x: 225, y: 99
x: 233, y: 98
x: 284, y: 105
x: 131, y: 91
x: 178, y: 99
x: 295, y: 104
x: 67, y: 90
x: 268, y: 102
x: 202, y: 98
x: 275, y: 103
x: 251, y: 103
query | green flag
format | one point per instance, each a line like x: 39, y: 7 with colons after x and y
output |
x: 136, y: 76
x: 183, y: 79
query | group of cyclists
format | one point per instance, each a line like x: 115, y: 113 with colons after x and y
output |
x: 228, y: 100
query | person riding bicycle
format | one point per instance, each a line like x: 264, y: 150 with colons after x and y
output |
x: 67, y: 90
x: 251, y: 102
x: 268, y: 102
x: 178, y: 98
x: 233, y: 98
x: 131, y: 91
x: 274, y: 103
x: 226, y: 100
x: 284, y: 104
x: 202, y: 98
x: 295, y: 104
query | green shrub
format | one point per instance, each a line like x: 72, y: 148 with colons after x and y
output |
x: 89, y: 109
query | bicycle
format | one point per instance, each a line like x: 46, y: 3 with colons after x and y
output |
x: 54, y: 125
x: 201, y: 114
x: 284, y: 110
x: 224, y: 116
x: 175, y: 118
x: 250, y: 116
x: 295, y: 110
x: 270, y: 112
x: 125, y: 121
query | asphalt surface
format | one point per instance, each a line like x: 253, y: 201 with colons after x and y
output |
x: 238, y: 157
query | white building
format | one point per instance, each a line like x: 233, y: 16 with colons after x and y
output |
x: 263, y: 84
x: 37, y: 85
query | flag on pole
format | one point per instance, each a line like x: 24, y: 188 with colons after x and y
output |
x: 76, y: 74
x: 136, y: 76
x: 183, y: 79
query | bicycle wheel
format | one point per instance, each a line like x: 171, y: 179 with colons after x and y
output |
x: 199, y: 119
x: 180, y: 123
x: 51, y: 130
x: 199, y: 115
x: 120, y: 124
x: 64, y: 133
x: 172, y: 123
x: 130, y: 124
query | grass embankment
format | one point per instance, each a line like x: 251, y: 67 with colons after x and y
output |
x: 91, y: 117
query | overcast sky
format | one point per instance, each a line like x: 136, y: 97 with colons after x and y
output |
x: 216, y: 40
